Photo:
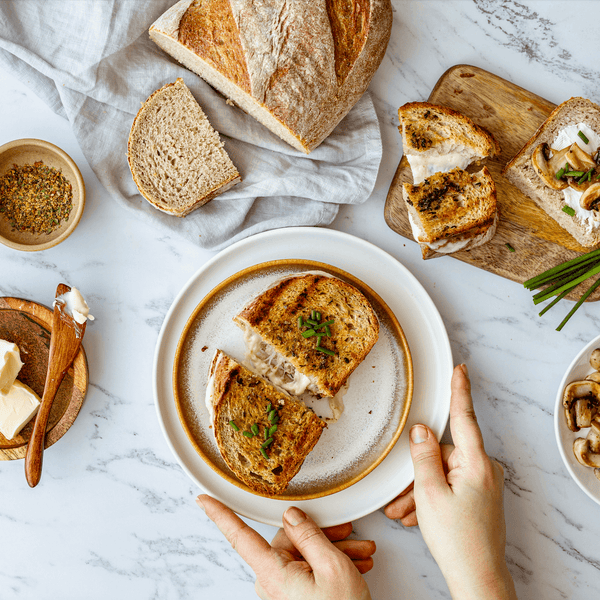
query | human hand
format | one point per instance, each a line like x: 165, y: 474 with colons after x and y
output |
x: 301, y: 563
x: 457, y: 502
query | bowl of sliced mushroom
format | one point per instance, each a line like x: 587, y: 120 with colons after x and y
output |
x: 577, y: 419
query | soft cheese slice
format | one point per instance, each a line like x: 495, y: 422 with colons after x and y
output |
x: 17, y: 407
x: 10, y: 364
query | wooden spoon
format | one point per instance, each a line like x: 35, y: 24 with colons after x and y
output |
x: 64, y: 345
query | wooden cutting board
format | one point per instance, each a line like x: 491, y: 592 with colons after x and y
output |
x: 512, y: 114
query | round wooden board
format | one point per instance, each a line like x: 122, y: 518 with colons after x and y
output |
x: 29, y: 325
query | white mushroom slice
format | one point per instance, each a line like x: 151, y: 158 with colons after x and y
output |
x: 595, y: 359
x: 591, y: 197
x: 584, y: 455
x: 580, y: 390
x: 585, y: 411
x: 540, y: 158
x: 593, y: 436
x: 579, y: 159
x: 558, y: 160
x: 595, y: 376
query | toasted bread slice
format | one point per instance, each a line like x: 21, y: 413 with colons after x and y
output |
x: 176, y: 158
x: 521, y: 172
x: 239, y: 401
x: 439, y: 139
x: 452, y: 211
x: 277, y: 347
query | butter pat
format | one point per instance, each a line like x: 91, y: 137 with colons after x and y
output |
x: 17, y: 408
x: 10, y: 364
x: 75, y: 305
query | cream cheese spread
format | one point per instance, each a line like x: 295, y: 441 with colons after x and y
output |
x: 17, y: 407
x: 423, y: 165
x: 75, y: 305
x: 566, y: 137
x: 453, y: 244
x: 10, y: 364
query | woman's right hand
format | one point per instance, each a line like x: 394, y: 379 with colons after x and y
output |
x: 457, y: 502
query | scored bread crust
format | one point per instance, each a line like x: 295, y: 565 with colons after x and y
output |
x: 521, y: 173
x: 453, y: 204
x: 430, y: 129
x: 296, y: 67
x: 159, y: 155
x: 243, y: 397
x: 274, y: 316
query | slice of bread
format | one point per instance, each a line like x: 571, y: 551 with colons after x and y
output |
x: 243, y: 401
x: 439, y: 139
x: 522, y: 174
x: 176, y: 158
x: 276, y: 345
x: 452, y: 211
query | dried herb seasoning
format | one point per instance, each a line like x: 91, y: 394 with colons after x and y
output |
x: 35, y: 198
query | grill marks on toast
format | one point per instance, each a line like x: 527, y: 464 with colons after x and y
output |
x: 274, y: 316
x: 243, y: 397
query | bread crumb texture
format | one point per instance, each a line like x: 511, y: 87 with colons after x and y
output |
x: 176, y: 158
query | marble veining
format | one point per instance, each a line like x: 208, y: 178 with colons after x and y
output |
x: 115, y: 516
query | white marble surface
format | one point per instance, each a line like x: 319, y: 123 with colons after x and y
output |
x: 114, y: 515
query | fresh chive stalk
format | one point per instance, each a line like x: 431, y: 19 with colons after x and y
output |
x: 509, y: 247
x: 254, y: 429
x: 564, y: 278
x: 234, y: 426
x: 582, y: 136
x: 568, y: 210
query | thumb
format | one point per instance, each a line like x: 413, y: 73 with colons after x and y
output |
x: 427, y: 458
x: 306, y: 536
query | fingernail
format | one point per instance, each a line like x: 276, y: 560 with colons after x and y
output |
x: 294, y: 516
x: 464, y: 369
x: 419, y: 434
x: 200, y: 504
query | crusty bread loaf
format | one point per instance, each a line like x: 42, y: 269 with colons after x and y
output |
x: 521, y: 172
x: 452, y: 211
x: 436, y: 138
x: 240, y: 400
x: 298, y: 67
x: 176, y: 158
x: 271, y: 319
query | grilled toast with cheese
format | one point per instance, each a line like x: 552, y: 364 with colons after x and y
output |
x: 452, y: 211
x: 247, y: 412
x: 438, y: 139
x: 277, y: 329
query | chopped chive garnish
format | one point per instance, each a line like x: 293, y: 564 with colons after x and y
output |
x: 327, y: 331
x: 254, y: 429
x: 574, y: 173
x: 313, y: 315
x: 300, y: 322
x: 568, y: 210
x: 509, y: 247
x: 317, y: 316
x: 267, y: 433
x: 272, y: 430
x: 312, y: 322
x: 234, y: 426
x: 264, y: 453
x: 272, y: 415
x: 267, y: 443
x: 326, y: 324
x: 248, y: 434
x: 560, y: 173
x: 269, y: 407
x: 320, y: 335
x: 326, y: 351
x: 582, y: 136
x: 308, y: 333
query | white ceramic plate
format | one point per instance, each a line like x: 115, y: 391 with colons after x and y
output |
x: 422, y: 325
x: 584, y: 476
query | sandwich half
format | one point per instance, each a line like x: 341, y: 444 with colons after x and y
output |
x: 559, y: 169
x: 452, y: 211
x: 308, y: 332
x: 263, y: 434
x: 439, y: 139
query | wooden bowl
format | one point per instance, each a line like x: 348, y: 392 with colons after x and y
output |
x: 28, y: 151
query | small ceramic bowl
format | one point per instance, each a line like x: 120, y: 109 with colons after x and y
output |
x: 584, y: 477
x: 29, y: 151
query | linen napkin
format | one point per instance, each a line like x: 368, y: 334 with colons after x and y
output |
x: 93, y: 63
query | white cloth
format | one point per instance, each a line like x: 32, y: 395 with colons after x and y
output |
x: 93, y: 62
